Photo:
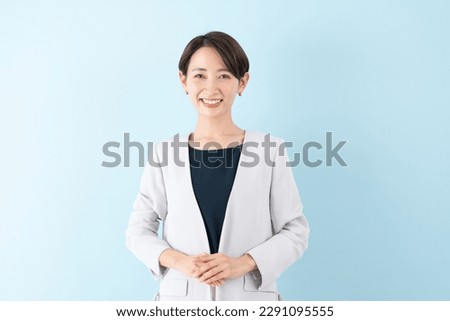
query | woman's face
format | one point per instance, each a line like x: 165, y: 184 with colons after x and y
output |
x: 210, y: 85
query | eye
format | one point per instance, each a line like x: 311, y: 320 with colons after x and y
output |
x: 199, y: 76
x: 224, y: 76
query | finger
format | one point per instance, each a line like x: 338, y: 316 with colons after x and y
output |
x: 210, y: 273
x: 215, y: 278
x: 201, y: 260
x: 205, y: 258
x: 214, y: 283
x: 195, y: 272
x: 215, y: 274
x: 207, y: 267
x: 219, y: 282
x: 225, y: 266
x: 200, y: 254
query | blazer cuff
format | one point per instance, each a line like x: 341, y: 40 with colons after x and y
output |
x: 158, y: 271
x: 260, y: 275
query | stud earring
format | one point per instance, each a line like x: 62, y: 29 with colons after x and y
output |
x: 240, y: 94
x: 187, y: 93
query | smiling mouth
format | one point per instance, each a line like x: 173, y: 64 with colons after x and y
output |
x: 211, y: 102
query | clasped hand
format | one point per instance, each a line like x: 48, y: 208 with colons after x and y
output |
x: 214, y: 269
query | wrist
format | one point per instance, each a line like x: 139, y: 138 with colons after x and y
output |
x: 171, y: 258
x: 248, y: 262
x: 178, y: 259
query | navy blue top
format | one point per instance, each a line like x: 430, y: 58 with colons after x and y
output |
x: 213, y: 173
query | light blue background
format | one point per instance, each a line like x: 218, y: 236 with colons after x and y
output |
x: 77, y: 74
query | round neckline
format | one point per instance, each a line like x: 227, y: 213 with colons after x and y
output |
x: 215, y: 150
x: 218, y: 149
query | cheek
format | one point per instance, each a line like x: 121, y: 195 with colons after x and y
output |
x: 194, y: 97
x: 234, y: 85
x: 194, y: 86
x: 229, y: 87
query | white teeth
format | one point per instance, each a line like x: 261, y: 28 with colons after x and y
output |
x: 211, y: 101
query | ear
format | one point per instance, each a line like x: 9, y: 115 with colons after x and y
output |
x: 243, y: 82
x: 182, y: 80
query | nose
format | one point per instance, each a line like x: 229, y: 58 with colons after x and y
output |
x: 211, y: 86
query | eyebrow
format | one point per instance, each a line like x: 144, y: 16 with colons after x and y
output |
x: 204, y: 69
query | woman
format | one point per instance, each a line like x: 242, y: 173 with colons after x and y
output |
x: 232, y: 214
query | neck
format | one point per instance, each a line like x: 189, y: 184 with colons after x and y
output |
x: 215, y: 128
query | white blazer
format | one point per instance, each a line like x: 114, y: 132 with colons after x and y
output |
x: 263, y: 218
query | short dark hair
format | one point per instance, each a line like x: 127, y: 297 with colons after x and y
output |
x: 228, y: 48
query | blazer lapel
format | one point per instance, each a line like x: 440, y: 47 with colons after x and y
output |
x: 231, y: 216
x: 186, y: 180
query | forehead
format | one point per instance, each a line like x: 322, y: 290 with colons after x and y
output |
x: 206, y: 58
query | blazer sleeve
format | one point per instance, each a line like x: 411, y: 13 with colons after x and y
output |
x: 289, y: 225
x: 149, y: 209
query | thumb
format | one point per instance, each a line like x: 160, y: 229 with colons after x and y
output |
x: 201, y: 254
